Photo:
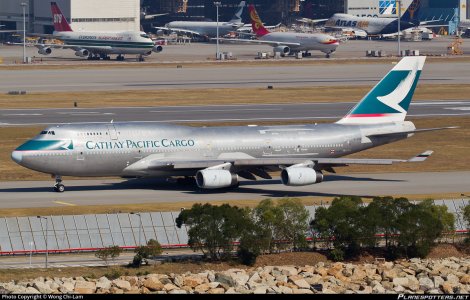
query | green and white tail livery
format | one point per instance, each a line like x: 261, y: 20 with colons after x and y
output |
x: 390, y: 99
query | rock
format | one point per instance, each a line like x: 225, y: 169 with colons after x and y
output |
x: 378, y: 289
x: 153, y: 284
x: 231, y: 291
x: 285, y: 290
x: 193, y: 281
x: 122, y: 284
x: 299, y: 281
x: 389, y: 274
x: 115, y: 290
x: 103, y: 283
x: 225, y: 279
x: 240, y: 278
x: 200, y: 289
x: 438, y: 281
x: 169, y: 287
x: 287, y: 270
x: 177, y: 291
x: 85, y: 287
x: 400, y: 281
x: 42, y: 287
x: 314, y: 279
x: 434, y: 291
x: 28, y: 290
x: 217, y: 291
x: 426, y: 284
x: 67, y: 287
x: 358, y: 275
x: 302, y: 291
x: 260, y: 289
x: 465, y: 279
x: 256, y: 278
x: 448, y: 287
x: 452, y: 278
x: 178, y: 281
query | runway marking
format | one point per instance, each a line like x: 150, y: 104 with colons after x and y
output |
x: 458, y: 108
x: 22, y: 114
x: 218, y: 110
x: 65, y: 203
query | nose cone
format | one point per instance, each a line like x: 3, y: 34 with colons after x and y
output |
x: 17, y: 156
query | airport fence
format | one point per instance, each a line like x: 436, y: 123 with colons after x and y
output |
x: 80, y: 233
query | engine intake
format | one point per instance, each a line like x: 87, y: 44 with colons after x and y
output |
x: 215, y: 179
x: 45, y: 51
x: 82, y: 53
x: 300, y: 176
x: 157, y: 49
x: 284, y: 50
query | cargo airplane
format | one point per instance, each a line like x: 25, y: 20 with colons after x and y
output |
x: 207, y: 29
x: 95, y: 45
x: 218, y: 156
x: 288, y: 42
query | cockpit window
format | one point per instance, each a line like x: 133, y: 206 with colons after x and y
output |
x: 145, y: 36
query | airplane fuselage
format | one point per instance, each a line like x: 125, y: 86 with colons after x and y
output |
x: 371, y: 25
x: 128, y: 42
x: 321, y: 42
x: 208, y: 29
x: 112, y: 149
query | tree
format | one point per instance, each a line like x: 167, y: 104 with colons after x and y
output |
x: 295, y: 221
x: 343, y: 224
x: 110, y: 252
x: 269, y: 219
x: 152, y: 249
x: 214, y: 229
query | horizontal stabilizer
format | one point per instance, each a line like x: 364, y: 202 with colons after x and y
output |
x: 421, y: 157
x: 411, y: 131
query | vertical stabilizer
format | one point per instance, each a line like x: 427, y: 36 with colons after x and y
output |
x: 60, y: 23
x: 390, y: 99
x: 256, y: 24
x: 237, y: 17
x: 411, y: 13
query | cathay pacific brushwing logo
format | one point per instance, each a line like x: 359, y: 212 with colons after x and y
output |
x: 394, y: 99
x: 66, y: 145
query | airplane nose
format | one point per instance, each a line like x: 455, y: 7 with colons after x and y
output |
x: 17, y: 156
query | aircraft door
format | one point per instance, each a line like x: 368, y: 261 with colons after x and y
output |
x: 112, y: 132
x: 80, y: 152
x: 268, y: 148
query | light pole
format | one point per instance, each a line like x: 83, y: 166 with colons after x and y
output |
x: 217, y: 4
x: 140, y: 226
x: 23, y: 5
x: 47, y: 226
x: 399, y: 27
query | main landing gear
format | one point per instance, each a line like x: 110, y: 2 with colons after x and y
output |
x: 120, y: 57
x: 58, y: 186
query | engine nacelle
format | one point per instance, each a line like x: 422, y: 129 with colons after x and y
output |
x: 284, y: 50
x: 82, y: 53
x: 299, y: 176
x: 215, y: 179
x: 45, y: 51
x: 157, y: 49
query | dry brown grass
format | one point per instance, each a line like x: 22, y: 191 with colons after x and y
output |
x: 221, y: 64
x: 215, y: 96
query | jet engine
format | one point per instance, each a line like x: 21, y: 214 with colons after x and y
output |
x: 284, y: 50
x: 215, y: 179
x: 157, y: 49
x: 299, y: 176
x: 82, y: 53
x: 45, y: 51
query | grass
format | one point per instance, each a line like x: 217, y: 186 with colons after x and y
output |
x: 215, y: 96
x: 58, y: 65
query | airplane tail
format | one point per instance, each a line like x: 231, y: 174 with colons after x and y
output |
x: 237, y: 17
x: 390, y: 99
x: 60, y: 23
x: 411, y: 13
x: 256, y: 24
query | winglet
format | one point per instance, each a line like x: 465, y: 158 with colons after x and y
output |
x: 421, y: 157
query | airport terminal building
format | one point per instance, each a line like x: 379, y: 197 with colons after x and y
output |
x: 92, y: 15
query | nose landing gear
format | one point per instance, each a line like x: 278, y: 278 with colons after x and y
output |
x: 58, y: 186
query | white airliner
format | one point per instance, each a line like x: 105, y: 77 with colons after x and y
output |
x: 288, y: 42
x: 218, y: 156
x: 207, y: 29
x: 96, y: 45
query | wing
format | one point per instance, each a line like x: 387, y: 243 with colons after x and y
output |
x: 271, y: 43
x: 242, y: 163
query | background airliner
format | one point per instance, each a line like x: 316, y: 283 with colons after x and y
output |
x: 218, y: 156
x: 207, y: 29
x: 96, y: 45
x: 289, y: 42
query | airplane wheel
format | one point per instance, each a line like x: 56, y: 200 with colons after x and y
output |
x: 59, y: 188
x: 328, y: 56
